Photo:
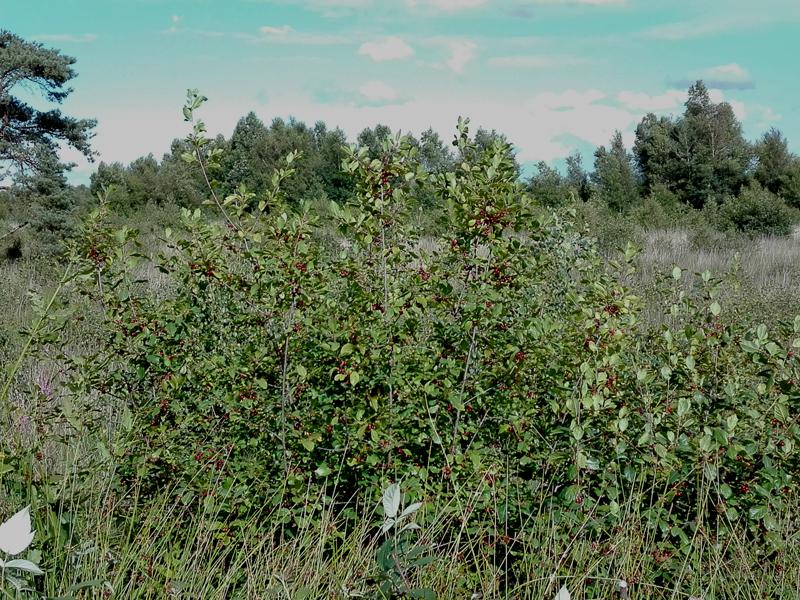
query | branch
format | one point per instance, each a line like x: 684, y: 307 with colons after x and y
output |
x: 13, y: 231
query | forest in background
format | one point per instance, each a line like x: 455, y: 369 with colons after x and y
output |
x: 694, y: 168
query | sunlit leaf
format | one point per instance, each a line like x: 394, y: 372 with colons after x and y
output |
x: 391, y: 501
x: 16, y: 534
x: 563, y: 594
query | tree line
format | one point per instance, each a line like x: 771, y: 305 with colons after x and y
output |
x: 698, y: 160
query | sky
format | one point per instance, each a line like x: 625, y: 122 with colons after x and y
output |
x: 553, y: 75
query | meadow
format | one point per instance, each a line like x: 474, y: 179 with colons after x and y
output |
x: 257, y: 400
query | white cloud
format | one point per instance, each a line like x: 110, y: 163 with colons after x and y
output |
x: 672, y: 101
x: 699, y: 28
x: 269, y: 30
x: 389, y: 48
x: 175, y: 19
x: 378, y: 92
x: 567, y: 99
x: 61, y: 38
x: 732, y: 70
x: 536, y: 61
x: 766, y: 115
x: 641, y: 101
x: 446, y: 5
x: 288, y: 35
x: 729, y: 76
x: 462, y: 52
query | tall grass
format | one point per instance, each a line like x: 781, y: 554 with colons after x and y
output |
x: 105, y: 543
x: 762, y: 275
x: 121, y: 547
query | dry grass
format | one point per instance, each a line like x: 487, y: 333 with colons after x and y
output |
x: 761, y: 276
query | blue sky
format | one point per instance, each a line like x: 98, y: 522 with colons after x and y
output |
x: 554, y: 75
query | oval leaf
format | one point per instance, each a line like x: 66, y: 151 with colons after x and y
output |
x: 563, y: 594
x: 16, y: 533
x: 391, y: 501
x: 24, y: 565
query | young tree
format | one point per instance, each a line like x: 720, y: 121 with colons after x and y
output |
x: 713, y: 156
x: 577, y: 178
x: 337, y: 185
x: 701, y: 155
x: 29, y: 136
x: 777, y: 169
x: 653, y: 151
x: 614, y: 176
x: 434, y: 156
x: 372, y: 138
x: 239, y: 162
x: 548, y: 187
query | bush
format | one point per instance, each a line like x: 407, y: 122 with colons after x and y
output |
x: 756, y: 211
x: 611, y: 230
x: 499, y: 358
x: 498, y: 368
x: 274, y: 366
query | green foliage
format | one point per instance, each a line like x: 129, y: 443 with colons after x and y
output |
x: 44, y: 211
x: 614, y: 177
x: 548, y: 187
x: 277, y: 366
x: 399, y: 555
x: 778, y: 170
x: 31, y: 136
x: 700, y: 156
x: 498, y: 370
x: 757, y: 211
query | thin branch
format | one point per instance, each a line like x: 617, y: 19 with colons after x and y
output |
x: 13, y: 231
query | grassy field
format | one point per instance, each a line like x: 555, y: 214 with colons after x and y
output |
x: 124, y: 543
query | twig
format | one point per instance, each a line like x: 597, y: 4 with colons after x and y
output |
x: 15, y: 230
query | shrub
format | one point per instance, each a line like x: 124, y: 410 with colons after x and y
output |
x: 756, y: 211
x: 274, y: 367
x: 498, y: 368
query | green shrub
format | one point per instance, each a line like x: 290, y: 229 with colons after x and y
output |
x: 756, y: 211
x: 498, y: 368
x: 501, y: 356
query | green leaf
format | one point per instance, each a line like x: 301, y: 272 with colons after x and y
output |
x: 24, y: 565
x: 391, y: 501
x: 715, y: 309
x: 323, y: 470
x: 684, y: 405
x: 749, y: 346
x: 411, y: 509
x: 731, y: 422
